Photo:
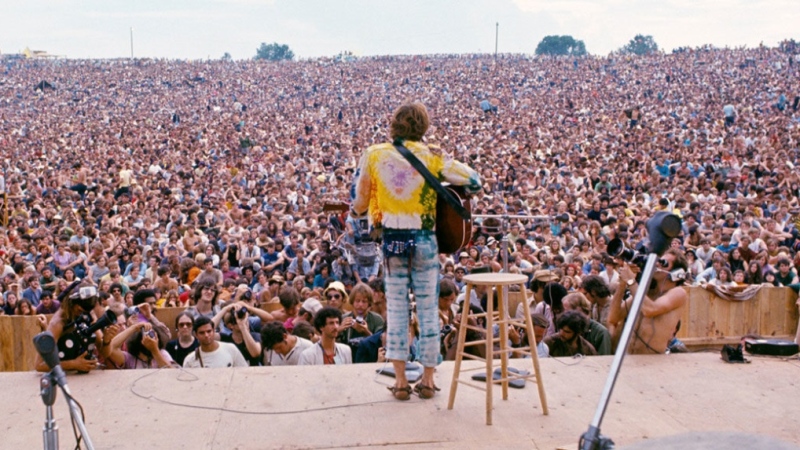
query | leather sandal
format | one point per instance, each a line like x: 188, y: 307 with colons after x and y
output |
x: 425, y: 392
x: 401, y: 393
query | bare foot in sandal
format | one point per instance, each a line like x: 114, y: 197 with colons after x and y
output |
x: 425, y: 391
x: 401, y: 393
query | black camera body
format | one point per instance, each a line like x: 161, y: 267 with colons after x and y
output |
x: 241, y: 313
x: 81, y: 338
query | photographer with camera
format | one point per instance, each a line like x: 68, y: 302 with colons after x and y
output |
x: 79, y: 312
x: 661, y: 306
x: 236, y: 319
x: 144, y: 305
x: 145, y: 348
x: 361, y: 322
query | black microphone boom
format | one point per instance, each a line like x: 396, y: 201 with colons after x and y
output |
x: 45, y: 345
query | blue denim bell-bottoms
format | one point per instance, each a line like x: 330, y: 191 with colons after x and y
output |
x: 423, y: 279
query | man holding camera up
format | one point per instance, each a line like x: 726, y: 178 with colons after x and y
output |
x: 76, y: 302
x: 661, y: 306
x: 236, y: 319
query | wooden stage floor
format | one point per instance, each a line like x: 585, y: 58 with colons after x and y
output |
x: 348, y: 406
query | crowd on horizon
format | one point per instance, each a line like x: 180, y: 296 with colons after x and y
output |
x: 142, y: 174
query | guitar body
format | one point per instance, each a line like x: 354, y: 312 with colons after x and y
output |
x: 452, y: 231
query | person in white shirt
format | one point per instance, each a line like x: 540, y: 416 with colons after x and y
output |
x: 280, y: 347
x: 327, y: 351
x: 212, y: 353
x: 610, y: 275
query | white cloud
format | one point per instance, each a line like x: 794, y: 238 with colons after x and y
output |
x: 187, y: 14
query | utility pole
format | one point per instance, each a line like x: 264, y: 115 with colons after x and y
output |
x: 131, y: 42
x: 496, y: 34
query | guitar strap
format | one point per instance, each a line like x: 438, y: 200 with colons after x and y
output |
x: 435, y: 184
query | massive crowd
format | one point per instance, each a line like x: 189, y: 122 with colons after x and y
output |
x: 170, y: 176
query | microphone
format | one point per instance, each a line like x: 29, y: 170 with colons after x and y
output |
x: 45, y: 344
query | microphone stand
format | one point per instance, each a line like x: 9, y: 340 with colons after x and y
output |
x: 504, y: 219
x: 48, y: 393
x: 592, y: 439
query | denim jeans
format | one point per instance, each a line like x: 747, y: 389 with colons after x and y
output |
x: 423, y: 278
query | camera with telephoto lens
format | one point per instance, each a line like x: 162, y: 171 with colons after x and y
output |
x: 616, y: 249
x: 241, y: 313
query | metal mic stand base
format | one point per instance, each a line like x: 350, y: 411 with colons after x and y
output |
x: 593, y: 440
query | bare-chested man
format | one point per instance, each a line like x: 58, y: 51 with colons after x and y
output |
x: 79, y: 178
x: 661, y: 307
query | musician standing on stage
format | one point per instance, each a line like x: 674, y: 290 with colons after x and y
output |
x: 403, y: 206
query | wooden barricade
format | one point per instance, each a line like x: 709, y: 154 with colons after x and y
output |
x: 167, y: 317
x: 710, y: 320
x: 17, y: 353
x: 707, y: 320
x: 514, y: 300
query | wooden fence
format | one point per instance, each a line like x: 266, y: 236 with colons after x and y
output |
x: 708, y: 320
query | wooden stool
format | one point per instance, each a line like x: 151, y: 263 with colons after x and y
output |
x: 500, y: 281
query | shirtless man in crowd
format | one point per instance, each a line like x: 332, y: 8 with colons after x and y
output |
x: 661, y: 307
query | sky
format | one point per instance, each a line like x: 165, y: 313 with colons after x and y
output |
x: 199, y: 29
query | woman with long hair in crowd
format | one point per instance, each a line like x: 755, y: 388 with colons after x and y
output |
x: 754, y: 274
x: 735, y: 261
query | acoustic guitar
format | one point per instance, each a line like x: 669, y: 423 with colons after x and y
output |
x: 452, y: 231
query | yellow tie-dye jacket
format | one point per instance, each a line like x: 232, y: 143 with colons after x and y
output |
x: 395, y: 194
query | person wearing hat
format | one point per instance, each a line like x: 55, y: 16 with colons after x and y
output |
x: 63, y: 322
x: 397, y: 199
x: 458, y: 279
x: 536, y: 286
x: 273, y: 287
x: 336, y: 295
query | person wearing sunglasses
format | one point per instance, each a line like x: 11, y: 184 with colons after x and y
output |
x: 185, y: 343
x: 336, y: 295
x: 661, y: 307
